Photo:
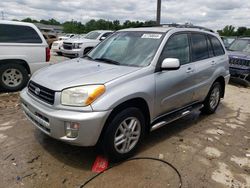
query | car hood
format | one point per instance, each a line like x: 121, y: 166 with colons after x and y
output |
x: 79, y: 40
x: 79, y: 72
x: 239, y: 55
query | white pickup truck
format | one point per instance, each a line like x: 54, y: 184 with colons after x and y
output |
x: 79, y: 47
x: 23, y: 50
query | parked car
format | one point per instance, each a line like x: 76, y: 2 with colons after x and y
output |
x: 135, y: 81
x: 239, y: 59
x: 67, y: 36
x: 78, y: 47
x: 23, y: 50
x: 57, y: 45
x: 227, y: 41
x: 50, y: 38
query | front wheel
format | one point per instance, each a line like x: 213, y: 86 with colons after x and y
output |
x: 213, y: 99
x: 123, y: 135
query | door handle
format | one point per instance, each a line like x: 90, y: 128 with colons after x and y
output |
x: 189, y: 70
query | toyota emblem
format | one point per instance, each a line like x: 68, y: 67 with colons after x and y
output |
x: 37, y: 91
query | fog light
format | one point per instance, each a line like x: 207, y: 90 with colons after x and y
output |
x: 71, y: 129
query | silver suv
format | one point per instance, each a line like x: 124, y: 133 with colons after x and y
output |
x: 135, y: 81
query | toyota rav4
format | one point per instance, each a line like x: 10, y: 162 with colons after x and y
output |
x: 134, y: 82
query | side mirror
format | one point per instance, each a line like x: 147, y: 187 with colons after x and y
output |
x: 170, y: 64
x: 102, y: 38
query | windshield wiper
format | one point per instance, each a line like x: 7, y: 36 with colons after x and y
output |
x: 108, y: 61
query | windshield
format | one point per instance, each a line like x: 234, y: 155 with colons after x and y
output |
x: 82, y: 36
x: 92, y: 35
x: 240, y: 45
x: 128, y: 48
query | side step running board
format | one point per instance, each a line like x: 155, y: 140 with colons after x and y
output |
x: 175, y: 115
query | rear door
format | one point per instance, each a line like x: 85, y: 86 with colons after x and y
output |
x: 203, y: 58
x: 174, y: 89
x: 206, y: 53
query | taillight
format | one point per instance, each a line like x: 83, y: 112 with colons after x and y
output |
x: 47, y: 54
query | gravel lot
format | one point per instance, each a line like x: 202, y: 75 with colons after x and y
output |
x: 208, y: 151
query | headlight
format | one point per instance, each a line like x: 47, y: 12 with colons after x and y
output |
x: 77, y: 45
x: 81, y: 96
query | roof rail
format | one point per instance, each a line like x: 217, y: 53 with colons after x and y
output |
x: 187, y: 26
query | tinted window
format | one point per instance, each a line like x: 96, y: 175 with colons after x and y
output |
x: 210, y: 48
x: 177, y: 47
x: 218, y: 49
x: 18, y: 34
x: 199, y: 47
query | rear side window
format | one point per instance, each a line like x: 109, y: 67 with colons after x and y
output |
x: 18, y: 34
x: 177, y: 47
x: 199, y: 47
x: 218, y: 49
x: 210, y: 48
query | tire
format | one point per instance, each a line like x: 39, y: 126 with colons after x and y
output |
x: 59, y: 53
x: 13, y: 77
x: 212, y: 100
x: 114, y: 130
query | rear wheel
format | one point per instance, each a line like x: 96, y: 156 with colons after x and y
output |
x: 13, y: 77
x: 123, y: 135
x: 213, y: 99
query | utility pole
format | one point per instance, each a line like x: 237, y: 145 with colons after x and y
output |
x: 2, y: 15
x: 158, y: 14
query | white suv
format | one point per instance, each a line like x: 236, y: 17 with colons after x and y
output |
x: 23, y: 50
x: 79, y: 47
x: 56, y: 45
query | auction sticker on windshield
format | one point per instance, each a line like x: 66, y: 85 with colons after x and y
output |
x: 151, y: 36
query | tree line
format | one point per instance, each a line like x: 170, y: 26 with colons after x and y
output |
x: 101, y: 24
x: 230, y: 30
x: 78, y: 27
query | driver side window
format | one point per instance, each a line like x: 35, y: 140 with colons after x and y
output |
x: 177, y: 47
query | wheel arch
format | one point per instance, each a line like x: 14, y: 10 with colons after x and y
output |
x: 16, y: 61
x: 139, y: 103
x: 87, y: 49
x: 221, y: 80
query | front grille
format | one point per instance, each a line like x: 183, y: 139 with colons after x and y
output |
x: 240, y: 62
x: 41, y: 92
x: 67, y: 46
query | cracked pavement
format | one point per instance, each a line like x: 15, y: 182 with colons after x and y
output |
x: 208, y: 151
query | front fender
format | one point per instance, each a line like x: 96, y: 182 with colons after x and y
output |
x: 126, y: 89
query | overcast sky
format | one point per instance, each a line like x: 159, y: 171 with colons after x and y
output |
x: 209, y: 13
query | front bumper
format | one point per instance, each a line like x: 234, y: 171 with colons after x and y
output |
x: 52, y: 121
x: 71, y: 53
